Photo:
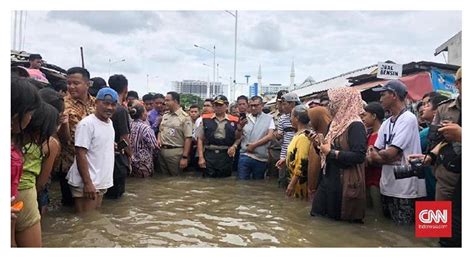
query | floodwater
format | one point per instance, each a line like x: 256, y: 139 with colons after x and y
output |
x: 197, y: 212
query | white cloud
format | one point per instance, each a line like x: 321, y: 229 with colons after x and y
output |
x: 322, y: 44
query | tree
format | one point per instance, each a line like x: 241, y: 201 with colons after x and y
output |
x: 189, y: 99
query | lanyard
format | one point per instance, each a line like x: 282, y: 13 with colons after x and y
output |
x: 391, y: 127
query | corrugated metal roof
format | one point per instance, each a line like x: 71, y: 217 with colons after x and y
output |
x: 334, y: 82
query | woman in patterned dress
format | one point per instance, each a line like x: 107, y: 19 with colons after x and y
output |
x: 142, y: 141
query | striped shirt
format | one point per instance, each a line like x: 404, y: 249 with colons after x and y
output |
x: 283, y: 123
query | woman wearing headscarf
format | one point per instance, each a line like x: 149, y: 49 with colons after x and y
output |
x: 341, y: 191
x: 320, y: 119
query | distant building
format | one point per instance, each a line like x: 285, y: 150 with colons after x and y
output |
x: 454, y: 48
x: 198, y: 87
x: 271, y: 90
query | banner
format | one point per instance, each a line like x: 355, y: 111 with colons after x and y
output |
x: 443, y: 83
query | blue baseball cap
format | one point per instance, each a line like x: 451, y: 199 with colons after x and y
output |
x: 107, y: 94
x: 395, y: 86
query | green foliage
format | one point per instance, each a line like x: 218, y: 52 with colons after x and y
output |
x: 189, y: 99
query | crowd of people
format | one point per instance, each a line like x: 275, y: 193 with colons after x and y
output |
x: 340, y: 154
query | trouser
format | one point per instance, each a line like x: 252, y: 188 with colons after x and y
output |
x: 193, y: 163
x: 456, y: 226
x: 169, y: 161
x: 235, y: 164
x: 121, y: 170
x: 251, y: 168
x: 274, y: 156
x: 156, y: 162
x: 400, y: 210
x: 283, y: 178
x: 218, y: 163
x: 445, y: 184
x: 66, y: 196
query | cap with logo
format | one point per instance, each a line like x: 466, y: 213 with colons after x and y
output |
x: 395, y: 86
x: 291, y: 97
x: 107, y: 94
x: 221, y: 99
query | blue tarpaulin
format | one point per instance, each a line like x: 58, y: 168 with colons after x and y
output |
x: 443, y: 82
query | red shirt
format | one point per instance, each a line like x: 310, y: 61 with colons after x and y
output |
x: 16, y: 169
x: 372, y: 173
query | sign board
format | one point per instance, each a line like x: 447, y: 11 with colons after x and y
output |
x: 389, y: 70
x: 253, y: 90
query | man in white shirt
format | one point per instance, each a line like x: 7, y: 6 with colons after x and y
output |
x: 91, y: 174
x: 397, y: 139
x: 257, y: 133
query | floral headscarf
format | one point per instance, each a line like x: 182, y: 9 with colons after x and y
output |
x: 347, y: 104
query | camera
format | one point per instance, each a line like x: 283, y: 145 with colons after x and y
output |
x: 414, y: 168
x: 434, y: 136
x: 242, y: 115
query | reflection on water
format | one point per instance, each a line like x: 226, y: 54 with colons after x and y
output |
x: 196, y: 212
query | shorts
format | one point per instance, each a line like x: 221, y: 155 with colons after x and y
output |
x: 78, y: 192
x: 29, y: 215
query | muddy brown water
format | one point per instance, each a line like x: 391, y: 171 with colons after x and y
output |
x: 196, y: 212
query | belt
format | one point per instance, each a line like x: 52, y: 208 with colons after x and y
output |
x: 169, y: 147
x: 217, y: 151
x: 214, y: 147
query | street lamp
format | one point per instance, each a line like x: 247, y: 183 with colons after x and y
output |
x: 110, y: 63
x: 214, y: 64
x: 235, y: 51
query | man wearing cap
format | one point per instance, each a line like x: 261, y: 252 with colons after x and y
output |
x: 286, y: 130
x: 218, y: 140
x: 91, y: 174
x: 174, y: 137
x: 398, y: 138
x: 34, y: 70
x: 78, y: 104
x: 275, y: 144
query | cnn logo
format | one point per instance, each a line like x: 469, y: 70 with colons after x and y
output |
x: 433, y: 219
x: 428, y: 216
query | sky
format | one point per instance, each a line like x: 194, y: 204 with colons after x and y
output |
x: 322, y: 44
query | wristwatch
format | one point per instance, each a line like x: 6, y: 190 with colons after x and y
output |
x: 332, y: 154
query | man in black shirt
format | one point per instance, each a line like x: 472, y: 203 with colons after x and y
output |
x: 121, y: 124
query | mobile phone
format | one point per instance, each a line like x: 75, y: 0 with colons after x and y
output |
x: 18, y: 205
x: 307, y: 132
x: 242, y: 115
x: 122, y: 145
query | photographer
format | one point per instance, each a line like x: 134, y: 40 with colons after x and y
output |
x: 397, y: 139
x: 446, y: 158
x: 429, y: 104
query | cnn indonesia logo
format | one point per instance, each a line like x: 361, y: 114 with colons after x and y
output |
x: 433, y: 219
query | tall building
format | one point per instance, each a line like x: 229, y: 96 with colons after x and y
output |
x: 198, y: 87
